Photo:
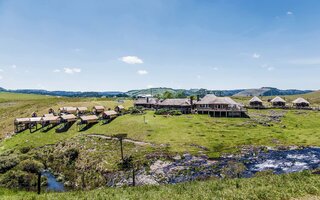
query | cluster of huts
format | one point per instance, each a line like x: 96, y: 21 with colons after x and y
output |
x: 209, y: 104
x: 278, y: 102
x: 216, y: 106
x: 66, y: 116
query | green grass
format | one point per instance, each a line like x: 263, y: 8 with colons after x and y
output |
x: 267, y: 188
x: 181, y: 132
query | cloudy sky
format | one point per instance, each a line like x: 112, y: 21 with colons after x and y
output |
x: 105, y: 45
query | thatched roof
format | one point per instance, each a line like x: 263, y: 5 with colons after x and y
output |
x: 278, y: 99
x: 48, y: 115
x: 300, y: 100
x: 212, y: 99
x: 89, y: 118
x: 51, y: 119
x: 255, y: 99
x: 22, y: 120
x: 82, y: 109
x: 69, y: 117
x: 151, y: 101
x: 110, y: 113
x: 68, y: 109
x: 175, y: 102
x: 99, y: 107
x: 35, y: 119
x: 207, y: 99
x: 120, y: 107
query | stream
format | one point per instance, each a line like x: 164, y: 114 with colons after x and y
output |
x: 53, y: 184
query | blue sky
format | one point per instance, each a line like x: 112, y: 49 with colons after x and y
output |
x: 121, y: 45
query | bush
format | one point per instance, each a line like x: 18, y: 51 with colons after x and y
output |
x: 18, y: 179
x: 31, y: 166
x: 136, y: 110
x: 8, y: 162
x: 72, y: 154
x: 164, y: 111
x: 25, y: 149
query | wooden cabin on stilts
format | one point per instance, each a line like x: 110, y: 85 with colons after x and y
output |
x: 87, y: 121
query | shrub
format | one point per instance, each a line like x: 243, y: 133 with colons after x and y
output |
x: 8, y: 162
x: 72, y: 154
x: 18, y: 179
x: 31, y: 166
x: 136, y: 110
x: 164, y: 111
x: 25, y: 149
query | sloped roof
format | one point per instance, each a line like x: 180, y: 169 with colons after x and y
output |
x: 120, y: 106
x: 110, y: 112
x: 48, y: 115
x: 50, y: 118
x: 207, y: 99
x: 82, y: 108
x: 35, y: 119
x: 69, y: 117
x: 22, y: 120
x: 175, y: 102
x: 255, y: 99
x: 212, y: 99
x: 99, y: 107
x: 300, y: 100
x: 278, y: 99
x: 89, y: 118
x: 144, y: 101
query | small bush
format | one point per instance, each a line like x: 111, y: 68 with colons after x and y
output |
x: 18, y: 179
x: 8, y: 162
x: 164, y: 111
x: 31, y: 166
x: 25, y: 149
x: 72, y: 154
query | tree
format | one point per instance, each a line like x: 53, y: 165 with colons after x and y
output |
x: 167, y: 95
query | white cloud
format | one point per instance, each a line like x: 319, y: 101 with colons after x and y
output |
x: 255, y: 55
x: 131, y: 60
x: 1, y: 77
x: 142, y: 72
x: 150, y: 86
x: 13, y: 66
x: 56, y: 70
x: 71, y: 70
x: 289, y: 13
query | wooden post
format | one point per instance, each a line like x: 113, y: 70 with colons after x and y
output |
x: 39, y: 182
x: 121, y: 149
x: 133, y: 176
x: 144, y: 119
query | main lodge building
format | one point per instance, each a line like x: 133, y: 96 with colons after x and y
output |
x: 209, y: 104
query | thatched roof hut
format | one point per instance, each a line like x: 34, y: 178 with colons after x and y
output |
x: 119, y: 108
x: 278, y: 102
x: 255, y: 101
x: 69, y: 110
x: 22, y: 121
x: 48, y: 115
x: 82, y: 109
x: 69, y: 118
x: 35, y: 119
x: 50, y: 120
x: 98, y: 109
x: 88, y: 119
x: 301, y: 102
x: 110, y: 114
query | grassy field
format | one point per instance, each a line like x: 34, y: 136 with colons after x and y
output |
x: 169, y: 134
x: 291, y: 186
x: 22, y: 105
x: 183, y: 133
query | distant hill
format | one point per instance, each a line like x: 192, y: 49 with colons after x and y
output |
x: 67, y: 93
x: 269, y: 91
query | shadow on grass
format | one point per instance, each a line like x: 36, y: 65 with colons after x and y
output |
x: 65, y: 127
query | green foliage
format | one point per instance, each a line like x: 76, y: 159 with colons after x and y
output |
x: 72, y: 154
x: 25, y: 149
x: 167, y: 95
x: 8, y: 162
x: 31, y: 166
x: 18, y: 179
x: 164, y: 111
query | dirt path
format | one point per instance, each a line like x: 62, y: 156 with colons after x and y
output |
x: 125, y: 140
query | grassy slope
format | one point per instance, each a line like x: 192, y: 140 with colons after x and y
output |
x: 216, y: 134
x: 22, y: 105
x: 267, y: 187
